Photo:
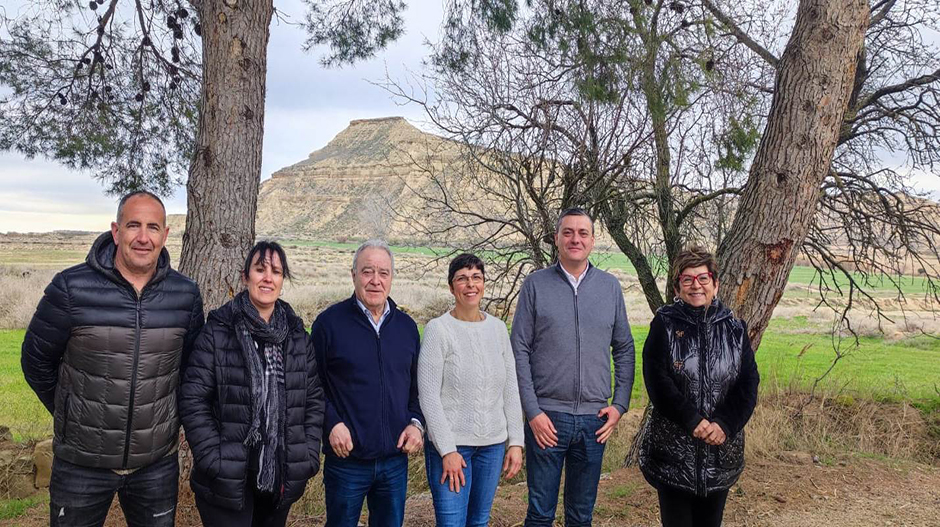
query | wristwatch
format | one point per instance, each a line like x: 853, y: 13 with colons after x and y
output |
x: 417, y: 424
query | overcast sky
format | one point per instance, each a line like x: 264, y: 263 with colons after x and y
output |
x: 306, y: 106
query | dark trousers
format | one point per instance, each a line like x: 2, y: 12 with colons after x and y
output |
x: 81, y: 496
x: 259, y: 511
x: 681, y: 509
x: 381, y: 482
x: 579, y: 453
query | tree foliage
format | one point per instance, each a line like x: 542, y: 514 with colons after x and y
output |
x: 689, y: 86
x: 108, y: 87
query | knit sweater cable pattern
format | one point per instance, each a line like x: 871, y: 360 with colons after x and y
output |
x: 467, y: 384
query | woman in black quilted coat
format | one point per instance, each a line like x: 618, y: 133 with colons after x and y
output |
x: 702, y: 382
x: 251, y: 402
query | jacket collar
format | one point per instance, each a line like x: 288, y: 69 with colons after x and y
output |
x: 225, y: 315
x: 353, y: 305
x: 101, y: 259
x: 561, y: 272
x: 715, y: 312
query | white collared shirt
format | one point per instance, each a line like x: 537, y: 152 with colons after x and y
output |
x: 368, y: 313
x: 574, y: 281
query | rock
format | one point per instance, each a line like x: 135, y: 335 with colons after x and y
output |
x: 5, y: 434
x: 23, y: 464
x: 796, y: 458
x: 42, y: 459
x: 19, y: 486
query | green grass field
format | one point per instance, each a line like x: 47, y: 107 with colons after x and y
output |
x: 880, y: 369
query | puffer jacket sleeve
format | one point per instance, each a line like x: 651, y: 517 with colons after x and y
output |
x: 665, y: 395
x: 315, y: 406
x: 197, y: 398
x: 45, y: 341
x: 197, y: 319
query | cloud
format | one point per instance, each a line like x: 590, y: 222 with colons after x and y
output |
x: 306, y: 106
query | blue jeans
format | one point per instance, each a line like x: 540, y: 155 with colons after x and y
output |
x: 580, y: 454
x: 382, y: 482
x: 471, y: 506
x: 81, y: 496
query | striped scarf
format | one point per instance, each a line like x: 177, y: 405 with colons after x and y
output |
x: 266, y: 382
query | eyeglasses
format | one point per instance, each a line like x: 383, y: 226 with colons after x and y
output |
x: 702, y: 279
x: 467, y: 279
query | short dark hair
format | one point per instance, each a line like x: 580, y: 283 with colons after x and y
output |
x: 464, y: 261
x: 694, y: 256
x: 573, y: 211
x: 264, y: 247
x: 136, y: 193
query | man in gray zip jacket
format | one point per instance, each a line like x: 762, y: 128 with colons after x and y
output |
x: 570, y: 319
x: 103, y: 354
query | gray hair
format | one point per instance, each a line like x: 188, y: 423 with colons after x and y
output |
x: 374, y: 243
x: 136, y: 193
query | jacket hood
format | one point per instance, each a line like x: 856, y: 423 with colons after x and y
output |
x: 101, y: 259
x: 715, y: 312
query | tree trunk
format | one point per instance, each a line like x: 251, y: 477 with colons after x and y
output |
x: 814, y: 81
x: 226, y: 170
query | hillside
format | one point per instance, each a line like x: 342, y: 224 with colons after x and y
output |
x: 349, y: 188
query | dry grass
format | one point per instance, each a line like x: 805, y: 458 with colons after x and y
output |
x: 829, y: 426
x: 21, y: 288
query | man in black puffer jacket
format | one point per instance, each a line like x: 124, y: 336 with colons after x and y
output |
x: 103, y: 353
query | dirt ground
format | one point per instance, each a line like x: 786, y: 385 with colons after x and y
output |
x: 787, y: 492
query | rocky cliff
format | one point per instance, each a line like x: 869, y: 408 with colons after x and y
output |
x: 359, y: 185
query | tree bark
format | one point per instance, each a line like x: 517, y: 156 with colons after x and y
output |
x: 226, y: 170
x: 814, y: 81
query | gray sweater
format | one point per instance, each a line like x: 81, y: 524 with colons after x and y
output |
x: 563, y: 340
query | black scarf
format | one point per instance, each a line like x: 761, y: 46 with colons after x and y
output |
x: 266, y: 381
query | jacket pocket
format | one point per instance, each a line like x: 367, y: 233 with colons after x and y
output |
x: 65, y: 415
x: 731, y: 453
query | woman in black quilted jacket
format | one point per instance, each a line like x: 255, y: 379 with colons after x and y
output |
x: 702, y: 382
x: 251, y: 402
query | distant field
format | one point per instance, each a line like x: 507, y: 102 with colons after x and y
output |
x: 46, y: 256
x: 800, y: 275
x: 881, y: 369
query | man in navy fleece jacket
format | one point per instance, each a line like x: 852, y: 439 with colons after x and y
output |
x: 367, y: 352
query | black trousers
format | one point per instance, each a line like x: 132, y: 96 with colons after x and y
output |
x: 259, y: 511
x: 681, y: 509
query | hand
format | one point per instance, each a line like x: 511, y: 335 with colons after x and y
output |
x: 410, y: 440
x: 544, y: 431
x: 512, y: 463
x: 700, y: 429
x: 613, y: 417
x: 453, y: 469
x: 341, y: 440
x: 714, y: 435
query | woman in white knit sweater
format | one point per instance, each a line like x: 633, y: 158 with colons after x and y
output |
x: 470, y: 400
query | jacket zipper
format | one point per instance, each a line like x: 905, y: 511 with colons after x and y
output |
x: 577, y: 338
x: 130, y: 407
x: 700, y: 447
x: 378, y: 350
